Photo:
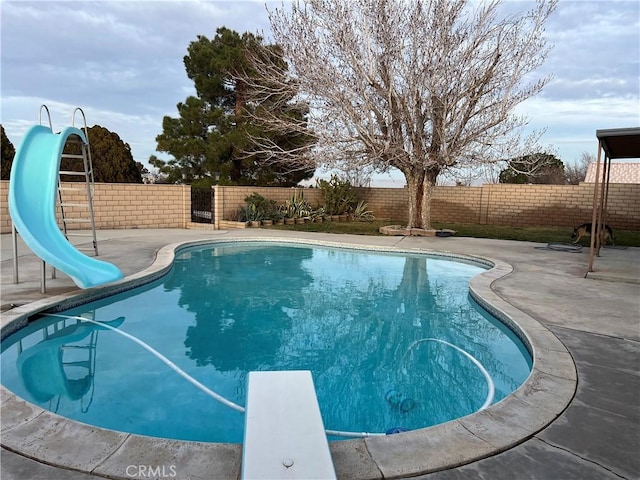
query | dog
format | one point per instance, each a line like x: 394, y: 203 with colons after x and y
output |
x: 585, y: 230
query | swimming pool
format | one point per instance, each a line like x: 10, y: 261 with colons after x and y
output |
x: 357, y: 319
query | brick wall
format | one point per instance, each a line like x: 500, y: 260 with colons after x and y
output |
x: 228, y: 199
x: 515, y: 205
x: 458, y: 204
x: 385, y: 203
x: 168, y: 206
x: 557, y: 205
x: 5, y: 220
x: 121, y: 205
x: 500, y: 204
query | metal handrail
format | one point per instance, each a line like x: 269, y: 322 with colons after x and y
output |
x: 88, y: 168
x: 48, y: 115
x: 88, y: 172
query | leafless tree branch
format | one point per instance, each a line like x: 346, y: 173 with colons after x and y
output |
x: 424, y: 86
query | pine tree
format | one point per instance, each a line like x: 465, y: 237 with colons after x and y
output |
x: 111, y: 157
x: 8, y: 152
x: 211, y: 140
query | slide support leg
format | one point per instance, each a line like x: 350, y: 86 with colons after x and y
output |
x: 43, y: 277
x: 14, y: 238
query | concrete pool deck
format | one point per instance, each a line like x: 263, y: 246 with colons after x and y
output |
x: 579, y: 418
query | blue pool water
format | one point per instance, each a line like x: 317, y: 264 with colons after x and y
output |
x: 358, y: 320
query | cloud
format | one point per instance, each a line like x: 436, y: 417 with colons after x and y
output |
x: 571, y: 125
x: 122, y: 61
x: 595, y: 69
x: 107, y: 53
x: 139, y: 131
x: 596, y: 50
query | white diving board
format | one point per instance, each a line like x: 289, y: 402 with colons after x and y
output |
x: 284, y: 436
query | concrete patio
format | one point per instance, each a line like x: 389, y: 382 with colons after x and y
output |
x: 595, y: 433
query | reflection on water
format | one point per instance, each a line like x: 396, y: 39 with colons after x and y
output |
x: 62, y: 364
x: 355, y: 319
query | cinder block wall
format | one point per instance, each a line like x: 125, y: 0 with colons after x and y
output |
x: 228, y: 199
x: 169, y: 206
x: 5, y: 219
x: 499, y: 204
x: 457, y: 204
x: 121, y: 205
x: 385, y: 203
x: 125, y: 205
x: 557, y: 205
x: 515, y: 205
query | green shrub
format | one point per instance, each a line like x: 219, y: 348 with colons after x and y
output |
x: 296, y: 207
x: 339, y: 196
x: 259, y: 208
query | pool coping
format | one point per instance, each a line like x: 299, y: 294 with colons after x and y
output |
x: 49, y: 438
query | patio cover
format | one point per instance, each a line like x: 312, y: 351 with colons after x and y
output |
x: 615, y: 143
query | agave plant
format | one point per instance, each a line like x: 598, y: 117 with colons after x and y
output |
x: 361, y: 212
x: 318, y: 215
x: 251, y: 213
x: 297, y: 207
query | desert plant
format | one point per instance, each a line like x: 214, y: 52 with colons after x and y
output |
x: 318, y: 215
x: 361, y: 212
x: 253, y: 213
x: 240, y: 215
x: 260, y: 208
x: 338, y: 195
x: 247, y: 213
x: 296, y: 207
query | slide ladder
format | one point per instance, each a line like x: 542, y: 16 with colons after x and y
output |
x: 75, y: 198
x: 35, y: 190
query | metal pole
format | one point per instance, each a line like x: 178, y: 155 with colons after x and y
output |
x: 43, y: 277
x: 594, y: 215
x: 603, y: 193
x: 605, y: 205
x: 14, y: 237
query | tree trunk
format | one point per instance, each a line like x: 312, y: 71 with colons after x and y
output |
x: 427, y: 193
x: 420, y: 184
x: 415, y: 184
x: 241, y: 94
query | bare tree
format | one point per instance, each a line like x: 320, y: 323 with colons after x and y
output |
x: 577, y: 172
x: 356, y: 175
x: 420, y: 85
x: 469, y: 175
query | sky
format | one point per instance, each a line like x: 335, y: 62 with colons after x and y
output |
x: 122, y: 63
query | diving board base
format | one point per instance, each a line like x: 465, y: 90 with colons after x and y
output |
x: 284, y: 436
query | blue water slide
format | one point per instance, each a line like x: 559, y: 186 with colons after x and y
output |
x: 32, y: 204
